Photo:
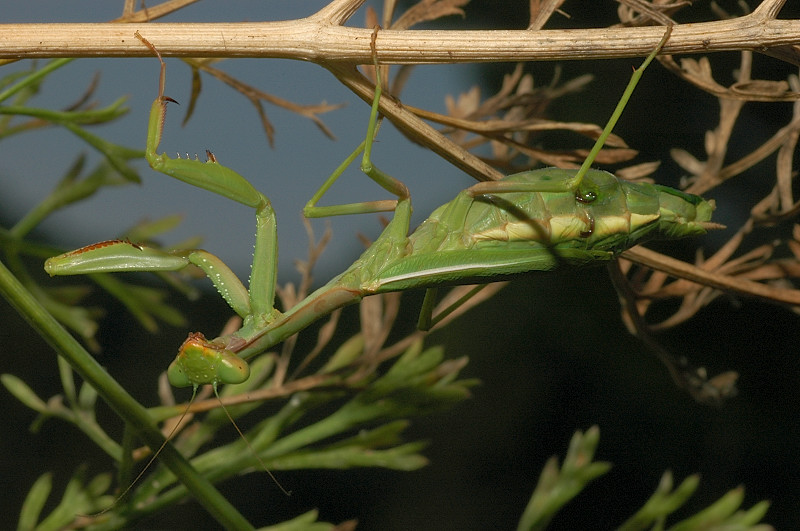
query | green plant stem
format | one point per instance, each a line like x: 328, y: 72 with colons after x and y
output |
x: 34, y: 77
x: 123, y: 404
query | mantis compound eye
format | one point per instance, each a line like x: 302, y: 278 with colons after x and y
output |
x: 585, y: 196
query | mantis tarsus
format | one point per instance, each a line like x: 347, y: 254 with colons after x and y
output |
x: 530, y: 221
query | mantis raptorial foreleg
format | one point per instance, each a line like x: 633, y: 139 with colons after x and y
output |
x: 114, y: 256
x: 217, y: 178
x: 199, y: 361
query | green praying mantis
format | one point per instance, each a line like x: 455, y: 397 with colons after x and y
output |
x: 531, y: 221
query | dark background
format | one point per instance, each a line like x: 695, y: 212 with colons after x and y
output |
x: 553, y: 357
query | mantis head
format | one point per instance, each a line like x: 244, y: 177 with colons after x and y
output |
x: 625, y: 213
x: 684, y: 214
x: 200, y: 362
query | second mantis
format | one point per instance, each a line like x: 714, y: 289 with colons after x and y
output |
x: 531, y: 221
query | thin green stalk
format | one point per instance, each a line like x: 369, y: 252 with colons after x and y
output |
x: 125, y: 405
x: 53, y: 65
x: 623, y: 101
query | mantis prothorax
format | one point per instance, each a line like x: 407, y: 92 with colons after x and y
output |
x: 531, y: 221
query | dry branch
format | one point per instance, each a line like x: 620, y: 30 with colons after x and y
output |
x: 322, y: 39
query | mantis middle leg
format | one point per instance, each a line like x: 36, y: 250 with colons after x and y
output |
x: 401, y: 206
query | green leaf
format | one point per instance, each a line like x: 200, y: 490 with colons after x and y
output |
x: 145, y: 304
x: 662, y: 503
x: 147, y: 231
x: 85, y: 116
x: 23, y: 393
x: 555, y: 488
x: 404, y: 457
x: 87, y: 398
x: 34, y: 502
x: 346, y: 354
x: 82, y: 321
x: 752, y: 516
x: 715, y: 514
x: 116, y: 155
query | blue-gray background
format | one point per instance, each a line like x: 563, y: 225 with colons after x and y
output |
x: 225, y: 123
x: 551, y: 351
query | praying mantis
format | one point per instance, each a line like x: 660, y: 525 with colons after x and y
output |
x: 531, y: 221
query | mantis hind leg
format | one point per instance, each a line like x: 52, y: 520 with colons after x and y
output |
x: 572, y: 182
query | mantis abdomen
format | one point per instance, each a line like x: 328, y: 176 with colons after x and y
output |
x: 520, y: 232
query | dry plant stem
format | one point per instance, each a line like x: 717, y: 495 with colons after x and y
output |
x: 679, y: 269
x: 129, y: 14
x: 694, y: 380
x: 316, y: 382
x: 320, y: 38
x: 541, y: 12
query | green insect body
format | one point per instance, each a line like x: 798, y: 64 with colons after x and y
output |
x: 533, y: 232
x: 541, y: 230
x: 531, y: 221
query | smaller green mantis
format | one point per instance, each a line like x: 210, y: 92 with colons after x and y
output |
x: 531, y: 221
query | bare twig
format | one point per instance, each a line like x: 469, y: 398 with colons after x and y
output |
x: 321, y: 38
x: 680, y: 269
